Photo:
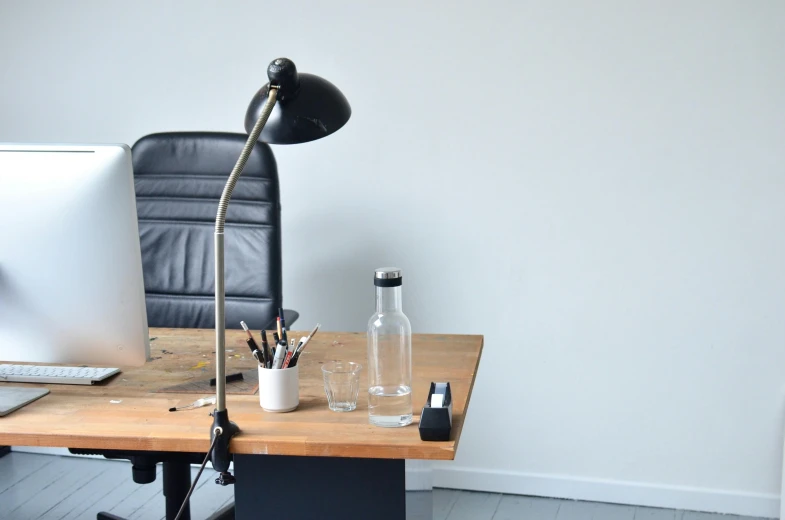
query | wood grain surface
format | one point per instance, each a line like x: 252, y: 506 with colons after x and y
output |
x: 127, y: 412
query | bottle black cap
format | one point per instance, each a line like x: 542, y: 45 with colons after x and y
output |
x: 388, y: 277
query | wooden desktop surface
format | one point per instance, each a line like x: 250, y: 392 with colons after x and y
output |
x: 126, y: 413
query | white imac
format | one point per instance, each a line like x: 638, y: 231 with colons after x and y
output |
x: 71, y: 286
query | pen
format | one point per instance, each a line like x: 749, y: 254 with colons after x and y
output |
x: 289, y: 354
x: 266, y: 350
x: 245, y: 328
x: 283, y: 325
x: 280, y: 327
x: 196, y: 404
x: 303, y: 343
x: 297, y: 351
x: 280, y: 354
x: 255, y: 350
x: 250, y: 341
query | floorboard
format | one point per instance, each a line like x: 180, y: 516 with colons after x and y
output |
x: 473, y: 505
x: 15, y: 468
x: 103, y: 495
x: 514, y: 507
x: 613, y: 512
x: 419, y: 505
x: 443, y: 502
x: 653, y: 513
x: 63, y: 494
x: 574, y: 510
x: 31, y: 496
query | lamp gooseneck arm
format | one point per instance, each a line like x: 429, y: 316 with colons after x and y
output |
x: 220, y: 220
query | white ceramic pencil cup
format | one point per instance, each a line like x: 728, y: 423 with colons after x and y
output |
x: 279, y: 389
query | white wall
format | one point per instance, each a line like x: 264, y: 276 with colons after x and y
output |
x: 598, y: 187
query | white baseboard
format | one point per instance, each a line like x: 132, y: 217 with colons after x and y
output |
x: 613, y: 491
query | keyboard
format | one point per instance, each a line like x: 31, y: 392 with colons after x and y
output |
x: 57, y: 375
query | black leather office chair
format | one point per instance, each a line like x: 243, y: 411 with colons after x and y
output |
x: 179, y: 178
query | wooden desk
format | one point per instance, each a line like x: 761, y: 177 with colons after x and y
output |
x: 126, y: 413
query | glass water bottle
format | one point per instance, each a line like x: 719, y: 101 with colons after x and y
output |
x: 389, y: 354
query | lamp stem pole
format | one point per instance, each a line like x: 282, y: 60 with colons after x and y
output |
x: 220, y: 220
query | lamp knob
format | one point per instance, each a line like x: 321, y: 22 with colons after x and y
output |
x: 283, y: 72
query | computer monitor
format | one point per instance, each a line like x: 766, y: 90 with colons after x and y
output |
x: 71, y: 286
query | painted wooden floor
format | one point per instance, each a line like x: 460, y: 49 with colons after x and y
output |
x: 465, y: 505
x: 46, y: 487
x: 50, y: 487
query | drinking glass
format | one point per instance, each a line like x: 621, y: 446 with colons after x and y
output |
x: 341, y: 384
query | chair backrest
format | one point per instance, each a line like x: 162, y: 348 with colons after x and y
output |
x: 179, y: 179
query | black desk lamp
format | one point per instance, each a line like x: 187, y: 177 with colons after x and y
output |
x: 292, y: 108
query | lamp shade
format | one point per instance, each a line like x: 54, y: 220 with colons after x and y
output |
x: 308, y: 107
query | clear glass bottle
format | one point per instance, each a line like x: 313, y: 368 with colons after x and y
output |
x: 389, y: 354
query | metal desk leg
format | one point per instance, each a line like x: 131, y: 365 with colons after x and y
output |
x: 303, y: 488
x: 177, y: 482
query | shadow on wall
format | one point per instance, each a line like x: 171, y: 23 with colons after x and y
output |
x: 338, y: 276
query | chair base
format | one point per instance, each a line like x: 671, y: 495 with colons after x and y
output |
x: 225, y: 513
x: 176, y: 478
